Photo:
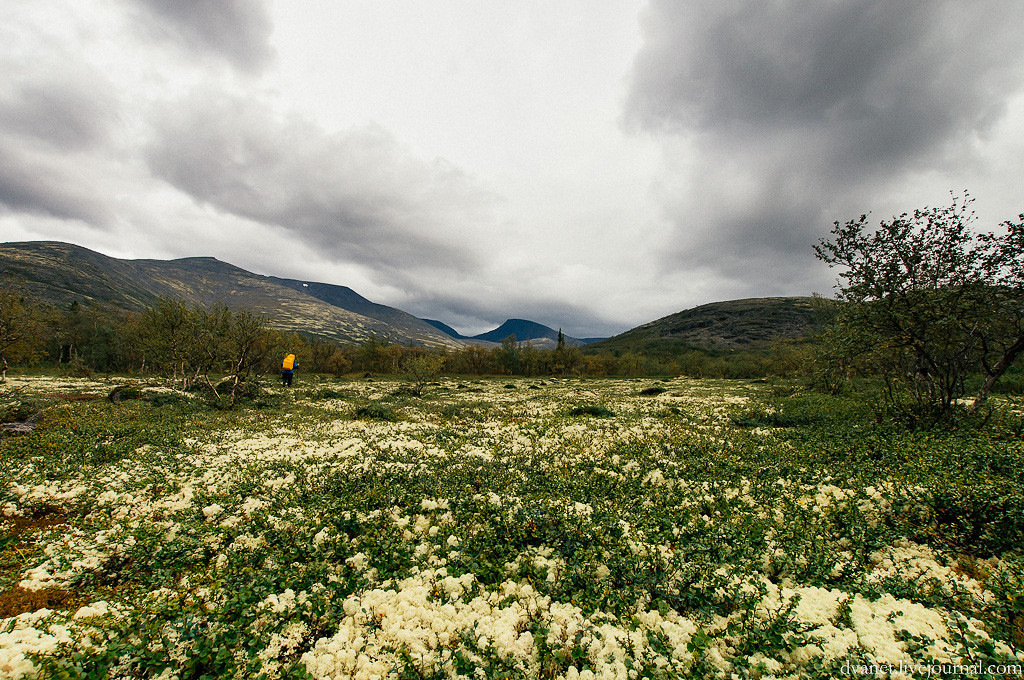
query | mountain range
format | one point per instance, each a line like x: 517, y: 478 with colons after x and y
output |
x: 538, y: 335
x: 63, y: 273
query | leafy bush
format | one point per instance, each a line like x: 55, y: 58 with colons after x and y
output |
x: 17, y: 406
x: 327, y: 393
x: 229, y: 394
x: 595, y: 410
x: 376, y: 411
x: 927, y: 302
x: 175, y: 399
x: 800, y: 409
x: 125, y: 392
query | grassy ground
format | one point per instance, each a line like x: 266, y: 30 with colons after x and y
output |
x: 496, y: 528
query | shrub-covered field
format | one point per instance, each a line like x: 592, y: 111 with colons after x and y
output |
x: 494, y: 529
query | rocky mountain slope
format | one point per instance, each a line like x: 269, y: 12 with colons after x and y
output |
x: 62, y: 273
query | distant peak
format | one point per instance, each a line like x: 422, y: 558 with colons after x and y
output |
x: 523, y: 329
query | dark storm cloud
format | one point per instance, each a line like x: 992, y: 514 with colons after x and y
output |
x: 355, y: 197
x: 49, y: 186
x: 64, y: 112
x: 53, y: 127
x: 888, y: 77
x: 790, y: 108
x: 238, y: 30
x: 763, y: 245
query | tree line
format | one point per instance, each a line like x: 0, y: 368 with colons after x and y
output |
x: 195, y: 345
x: 192, y: 346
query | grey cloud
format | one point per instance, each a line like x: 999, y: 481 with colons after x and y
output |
x: 793, y: 109
x: 894, y: 72
x: 69, y: 113
x: 53, y: 130
x: 729, y: 63
x: 764, y: 249
x: 238, y: 30
x: 356, y: 197
x: 50, y: 185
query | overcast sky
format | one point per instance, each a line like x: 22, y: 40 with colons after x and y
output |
x: 587, y: 165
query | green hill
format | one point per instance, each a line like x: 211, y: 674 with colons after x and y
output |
x: 751, y: 323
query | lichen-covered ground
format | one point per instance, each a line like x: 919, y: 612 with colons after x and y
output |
x: 533, y: 529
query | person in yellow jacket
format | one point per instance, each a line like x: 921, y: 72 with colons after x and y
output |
x: 288, y: 369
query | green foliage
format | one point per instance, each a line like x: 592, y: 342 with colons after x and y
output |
x: 327, y: 393
x: 594, y: 410
x: 189, y: 343
x: 326, y: 357
x: 233, y: 544
x: 80, y: 435
x: 422, y: 370
x: 800, y: 408
x: 170, y: 399
x: 17, y: 405
x: 379, y: 356
x: 509, y: 356
x: 927, y: 302
x: 376, y: 410
x: 21, y: 328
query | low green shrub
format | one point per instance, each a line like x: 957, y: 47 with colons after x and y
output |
x: 594, y: 410
x: 322, y: 393
x: 16, y: 406
x: 376, y: 411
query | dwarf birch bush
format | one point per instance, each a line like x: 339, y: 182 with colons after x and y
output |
x: 927, y: 303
